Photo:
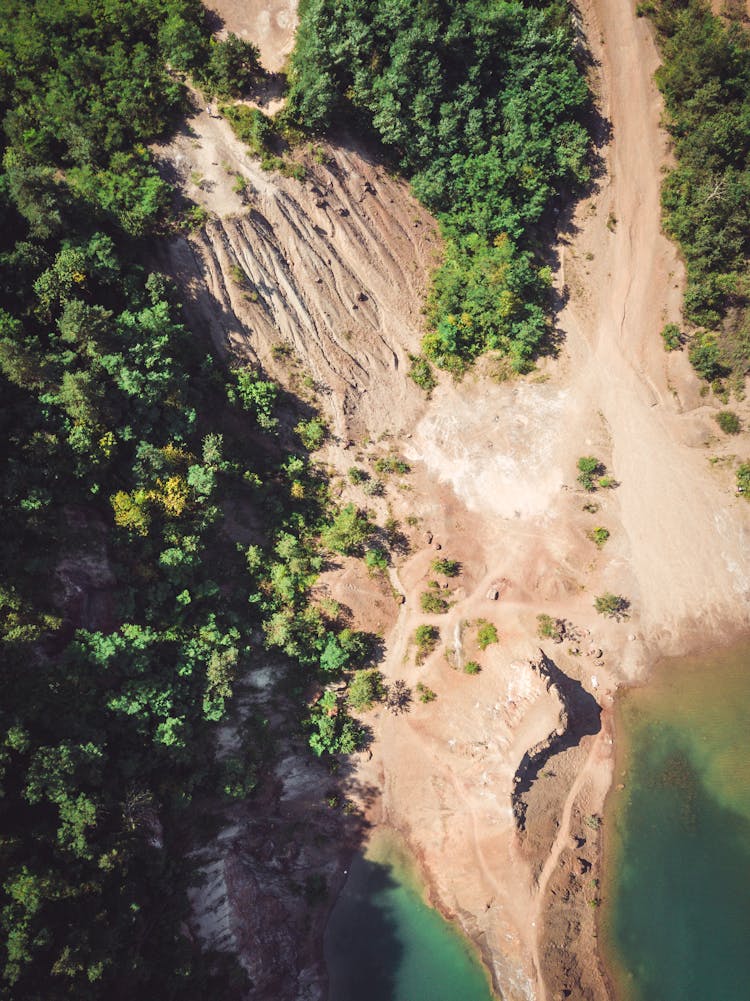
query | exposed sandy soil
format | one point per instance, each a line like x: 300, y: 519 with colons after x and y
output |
x: 338, y: 265
x: 326, y: 276
x: 269, y: 24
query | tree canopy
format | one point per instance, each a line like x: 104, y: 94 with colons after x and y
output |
x: 123, y: 441
x: 481, y: 104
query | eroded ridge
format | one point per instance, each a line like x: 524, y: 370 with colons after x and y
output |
x: 329, y: 272
x: 579, y: 717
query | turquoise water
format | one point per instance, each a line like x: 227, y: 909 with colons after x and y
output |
x: 678, y: 836
x: 383, y: 943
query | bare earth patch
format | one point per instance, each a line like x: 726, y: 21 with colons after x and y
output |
x: 269, y: 24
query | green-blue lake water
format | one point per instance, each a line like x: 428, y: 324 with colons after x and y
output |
x: 384, y: 943
x: 677, y: 848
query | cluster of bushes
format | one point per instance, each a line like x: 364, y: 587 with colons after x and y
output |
x: 705, y: 80
x: 259, y: 132
x: 481, y: 106
x: 592, y: 474
x: 123, y: 442
x: 84, y: 89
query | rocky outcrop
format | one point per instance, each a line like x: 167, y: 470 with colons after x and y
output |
x: 579, y: 717
x: 271, y: 872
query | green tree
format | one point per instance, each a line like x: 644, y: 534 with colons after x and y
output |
x: 613, y: 606
x: 348, y: 531
x: 365, y: 688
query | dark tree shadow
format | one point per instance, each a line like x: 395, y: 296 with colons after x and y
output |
x: 362, y: 947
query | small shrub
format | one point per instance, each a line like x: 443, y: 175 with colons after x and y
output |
x: 256, y: 394
x: 614, y: 606
x: 426, y: 639
x: 743, y: 480
x: 486, y: 634
x: 425, y: 693
x: 421, y: 373
x: 607, y: 482
x: 357, y: 475
x: 471, y: 667
x: 588, y: 468
x: 365, y: 688
x: 194, y: 217
x: 288, y: 168
x: 729, y: 422
x: 706, y: 359
x: 672, y: 337
x: 312, y: 433
x: 591, y: 507
x: 238, y: 777
x: 433, y: 603
x: 250, y: 126
x: 448, y: 568
x: 548, y: 628
x: 394, y: 536
x: 281, y: 352
x: 599, y: 536
x: 376, y: 560
x: 238, y: 276
x: 391, y: 465
x: 374, y: 488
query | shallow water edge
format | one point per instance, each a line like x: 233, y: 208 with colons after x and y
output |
x: 384, y: 942
x: 676, y: 859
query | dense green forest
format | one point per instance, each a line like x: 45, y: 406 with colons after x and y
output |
x: 126, y: 609
x: 705, y: 80
x: 482, y: 106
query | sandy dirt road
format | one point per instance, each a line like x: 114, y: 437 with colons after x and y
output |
x: 269, y: 24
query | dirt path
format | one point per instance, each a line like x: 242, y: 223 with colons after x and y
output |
x: 678, y: 546
x: 269, y: 24
x: 686, y: 531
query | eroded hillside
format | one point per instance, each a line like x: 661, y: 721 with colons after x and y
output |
x: 331, y: 270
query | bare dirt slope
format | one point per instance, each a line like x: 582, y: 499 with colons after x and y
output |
x: 335, y: 268
x: 269, y: 24
x: 331, y: 270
